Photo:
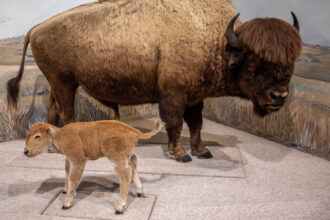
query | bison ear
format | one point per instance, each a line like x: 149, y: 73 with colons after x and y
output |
x: 234, y: 59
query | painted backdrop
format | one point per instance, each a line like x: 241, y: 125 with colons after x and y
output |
x: 303, y: 123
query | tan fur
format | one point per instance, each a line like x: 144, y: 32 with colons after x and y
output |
x: 114, y: 37
x: 83, y: 141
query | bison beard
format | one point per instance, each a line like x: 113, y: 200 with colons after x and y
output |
x: 135, y: 52
x: 261, y: 112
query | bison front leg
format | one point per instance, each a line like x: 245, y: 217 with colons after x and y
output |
x: 193, y: 116
x: 171, y: 112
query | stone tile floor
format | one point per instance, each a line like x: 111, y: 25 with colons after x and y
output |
x: 248, y: 178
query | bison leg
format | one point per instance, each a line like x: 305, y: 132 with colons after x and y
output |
x: 52, y: 115
x: 171, y: 112
x: 64, y: 95
x: 193, y: 116
x: 115, y: 108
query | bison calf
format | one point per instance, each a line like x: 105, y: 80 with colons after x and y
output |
x: 91, y: 140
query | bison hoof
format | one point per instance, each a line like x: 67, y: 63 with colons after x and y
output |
x: 206, y: 155
x: 186, y: 158
x: 119, y: 212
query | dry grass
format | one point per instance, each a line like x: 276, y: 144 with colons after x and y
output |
x: 32, y: 109
x: 311, y: 128
x: 239, y: 114
x: 14, y: 124
x: 300, y: 122
x: 88, y: 109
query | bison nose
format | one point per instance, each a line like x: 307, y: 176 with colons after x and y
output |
x: 278, y: 98
x: 26, y: 152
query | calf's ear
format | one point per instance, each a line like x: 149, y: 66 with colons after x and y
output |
x: 50, y: 130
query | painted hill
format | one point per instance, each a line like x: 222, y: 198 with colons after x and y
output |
x: 17, y: 16
x: 13, y: 40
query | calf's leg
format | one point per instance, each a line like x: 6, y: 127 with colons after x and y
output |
x: 124, y: 172
x: 67, y: 171
x: 193, y: 116
x: 136, y: 177
x: 76, y: 170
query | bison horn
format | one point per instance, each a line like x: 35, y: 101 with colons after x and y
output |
x: 295, y: 21
x: 230, y: 34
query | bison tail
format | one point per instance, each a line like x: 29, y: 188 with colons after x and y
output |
x: 13, y: 84
x: 158, y: 126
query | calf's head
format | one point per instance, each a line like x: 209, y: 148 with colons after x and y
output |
x: 39, y: 139
x: 260, y: 56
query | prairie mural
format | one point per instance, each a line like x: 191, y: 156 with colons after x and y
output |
x: 303, y: 123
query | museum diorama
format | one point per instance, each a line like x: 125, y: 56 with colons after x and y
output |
x: 164, y: 109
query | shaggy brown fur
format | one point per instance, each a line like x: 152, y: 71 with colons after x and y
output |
x: 168, y: 52
x: 84, y: 141
x: 258, y: 35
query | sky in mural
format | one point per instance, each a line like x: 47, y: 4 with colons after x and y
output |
x: 18, y: 16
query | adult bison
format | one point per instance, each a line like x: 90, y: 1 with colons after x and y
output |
x: 174, y: 53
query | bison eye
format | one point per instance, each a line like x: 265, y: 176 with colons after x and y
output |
x: 37, y: 137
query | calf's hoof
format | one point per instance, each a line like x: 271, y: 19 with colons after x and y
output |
x: 184, y: 159
x: 119, y: 212
x: 63, y: 192
x: 140, y: 195
x: 66, y: 207
x: 68, y: 202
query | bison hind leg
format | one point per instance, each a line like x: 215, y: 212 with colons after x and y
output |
x: 64, y: 96
x: 52, y: 114
x: 115, y: 108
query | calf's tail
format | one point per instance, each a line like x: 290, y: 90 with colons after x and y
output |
x: 13, y: 84
x: 159, y: 124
